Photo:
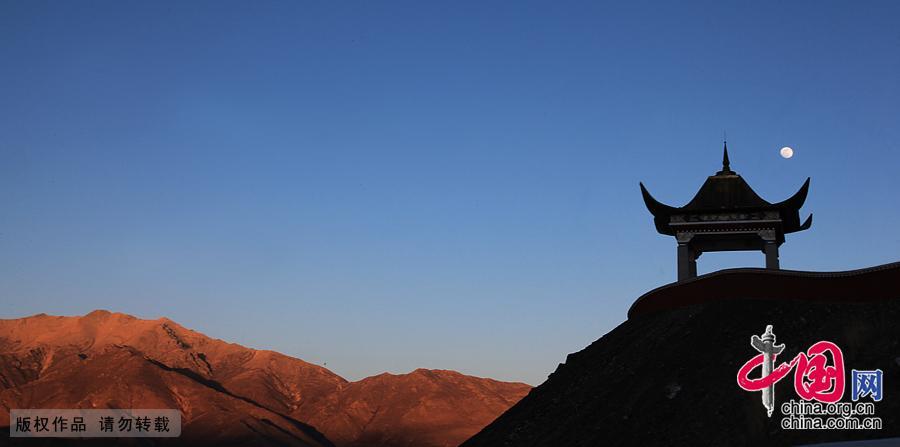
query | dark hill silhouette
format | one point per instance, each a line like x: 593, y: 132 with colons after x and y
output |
x: 667, y: 375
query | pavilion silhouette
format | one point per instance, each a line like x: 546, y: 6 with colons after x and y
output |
x: 727, y: 215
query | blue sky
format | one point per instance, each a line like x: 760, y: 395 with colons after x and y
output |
x: 382, y: 186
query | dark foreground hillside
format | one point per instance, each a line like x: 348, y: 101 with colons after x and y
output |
x: 669, y: 377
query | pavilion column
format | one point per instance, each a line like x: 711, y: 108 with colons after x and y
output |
x: 687, y: 262
x: 693, y: 264
x: 771, y: 250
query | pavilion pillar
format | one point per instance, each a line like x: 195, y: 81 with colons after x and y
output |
x: 687, y: 262
x: 771, y: 250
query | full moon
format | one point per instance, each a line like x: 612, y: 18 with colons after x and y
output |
x: 787, y: 152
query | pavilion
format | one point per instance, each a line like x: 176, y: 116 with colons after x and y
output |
x: 727, y: 215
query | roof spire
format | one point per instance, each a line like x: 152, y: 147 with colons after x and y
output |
x: 726, y: 165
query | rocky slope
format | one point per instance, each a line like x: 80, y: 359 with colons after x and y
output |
x: 423, y: 408
x: 229, y: 394
x: 669, y: 377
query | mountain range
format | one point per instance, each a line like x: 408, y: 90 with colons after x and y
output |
x: 232, y: 395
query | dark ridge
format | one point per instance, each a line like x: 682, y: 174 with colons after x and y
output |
x: 669, y: 378
x: 863, y: 285
x: 181, y: 343
x: 305, y: 428
x: 201, y: 358
x: 668, y: 375
x: 276, y: 427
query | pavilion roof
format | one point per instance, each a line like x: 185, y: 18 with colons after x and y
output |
x: 727, y: 191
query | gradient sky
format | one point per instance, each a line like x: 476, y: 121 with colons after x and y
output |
x: 382, y: 186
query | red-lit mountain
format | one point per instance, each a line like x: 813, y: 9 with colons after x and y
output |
x: 229, y: 394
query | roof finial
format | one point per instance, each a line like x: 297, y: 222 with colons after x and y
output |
x: 726, y: 165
